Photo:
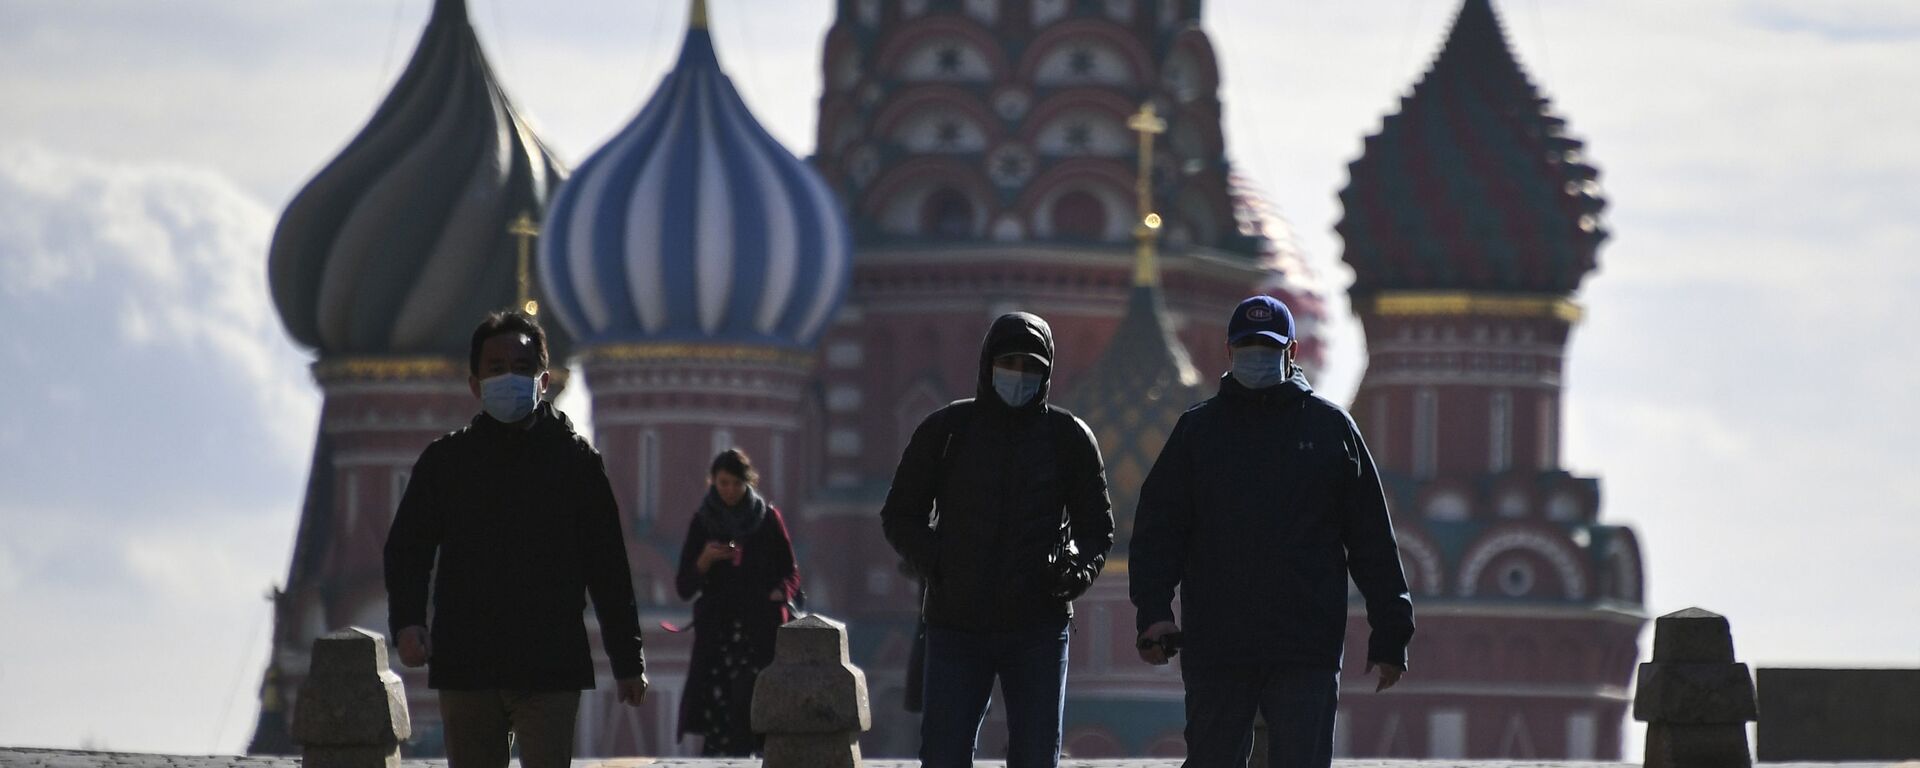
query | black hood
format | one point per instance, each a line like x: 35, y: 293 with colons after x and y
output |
x: 1016, y: 333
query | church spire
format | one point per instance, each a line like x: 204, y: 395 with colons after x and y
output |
x: 1146, y: 228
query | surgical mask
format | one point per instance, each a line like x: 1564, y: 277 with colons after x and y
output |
x: 1016, y: 388
x: 1259, y: 367
x: 509, y: 397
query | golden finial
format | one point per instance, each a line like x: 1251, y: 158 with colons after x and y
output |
x: 1146, y: 266
x: 697, y: 17
x: 525, y: 230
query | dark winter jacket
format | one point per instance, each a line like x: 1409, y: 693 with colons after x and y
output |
x: 987, y: 498
x: 729, y: 593
x: 1260, y: 505
x: 524, y: 526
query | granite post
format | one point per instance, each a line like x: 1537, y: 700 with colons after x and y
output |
x: 811, y: 703
x: 1695, y: 699
x: 352, y: 710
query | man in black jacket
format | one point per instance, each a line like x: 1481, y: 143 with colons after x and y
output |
x: 1261, y: 504
x: 518, y: 512
x: 1000, y: 504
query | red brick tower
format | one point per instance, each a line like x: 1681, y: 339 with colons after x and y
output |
x: 696, y: 260
x: 1470, y: 221
x: 382, y: 265
x: 983, y: 151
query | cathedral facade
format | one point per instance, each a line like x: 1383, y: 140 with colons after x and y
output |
x: 973, y: 157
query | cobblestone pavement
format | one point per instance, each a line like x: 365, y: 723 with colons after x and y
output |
x: 62, y: 758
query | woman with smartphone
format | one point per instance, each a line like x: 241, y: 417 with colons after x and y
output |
x: 737, y: 567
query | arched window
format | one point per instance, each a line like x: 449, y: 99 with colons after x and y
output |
x: 946, y: 213
x: 1078, y: 215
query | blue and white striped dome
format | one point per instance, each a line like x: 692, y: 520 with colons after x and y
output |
x: 693, y: 225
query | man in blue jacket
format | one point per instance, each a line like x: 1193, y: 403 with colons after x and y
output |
x: 1261, y: 504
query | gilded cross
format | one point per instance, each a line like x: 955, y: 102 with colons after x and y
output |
x: 525, y: 230
x: 1146, y: 270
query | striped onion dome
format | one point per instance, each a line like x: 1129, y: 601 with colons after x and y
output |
x: 693, y: 225
x: 402, y: 243
x: 1474, y: 184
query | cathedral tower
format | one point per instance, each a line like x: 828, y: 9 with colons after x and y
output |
x: 983, y: 151
x: 1470, y: 220
x: 383, y: 264
x: 696, y: 261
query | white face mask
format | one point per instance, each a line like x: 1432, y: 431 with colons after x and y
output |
x: 1014, y: 387
x: 1259, y: 367
x: 509, y: 397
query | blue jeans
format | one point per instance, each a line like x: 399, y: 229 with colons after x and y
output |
x: 961, y: 666
x: 1299, y: 704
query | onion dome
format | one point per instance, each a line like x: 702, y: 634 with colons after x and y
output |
x: 1473, y: 185
x: 693, y: 225
x: 402, y: 243
x: 1292, y: 278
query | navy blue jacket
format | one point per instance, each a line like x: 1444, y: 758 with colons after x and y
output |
x: 1260, y: 505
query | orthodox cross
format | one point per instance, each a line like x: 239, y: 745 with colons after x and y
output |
x: 525, y: 230
x: 1146, y: 270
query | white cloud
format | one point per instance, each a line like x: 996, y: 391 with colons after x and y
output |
x: 176, y: 254
x: 154, y: 456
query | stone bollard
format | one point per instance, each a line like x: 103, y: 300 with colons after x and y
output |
x: 1695, y: 700
x: 811, y: 703
x: 352, y: 711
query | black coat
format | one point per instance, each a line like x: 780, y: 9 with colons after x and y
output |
x: 728, y: 592
x: 1259, y: 507
x: 986, y: 498
x: 524, y: 526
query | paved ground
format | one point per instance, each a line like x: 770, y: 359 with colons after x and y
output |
x: 60, y: 758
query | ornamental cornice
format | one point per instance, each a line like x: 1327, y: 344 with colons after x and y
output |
x: 1201, y: 262
x: 1470, y: 303
x: 699, y: 353
x: 327, y: 371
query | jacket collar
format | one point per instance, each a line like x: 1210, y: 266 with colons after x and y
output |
x: 545, y: 420
x: 1279, y: 395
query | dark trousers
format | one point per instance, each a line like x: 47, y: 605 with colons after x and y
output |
x: 961, y: 667
x: 483, y: 727
x: 1298, y: 703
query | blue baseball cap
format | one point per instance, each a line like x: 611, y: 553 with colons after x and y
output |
x: 1264, y: 315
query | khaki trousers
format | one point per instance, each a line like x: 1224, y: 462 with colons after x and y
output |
x: 483, y: 727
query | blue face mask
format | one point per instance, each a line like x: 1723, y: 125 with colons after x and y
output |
x: 509, y: 397
x: 1258, y: 367
x: 1015, y: 388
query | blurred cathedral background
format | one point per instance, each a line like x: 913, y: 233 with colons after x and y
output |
x: 708, y: 289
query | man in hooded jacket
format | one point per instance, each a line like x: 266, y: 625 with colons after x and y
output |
x: 1000, y: 505
x: 1262, y: 503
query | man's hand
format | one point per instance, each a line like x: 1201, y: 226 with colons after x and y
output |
x: 631, y: 689
x: 1070, y: 584
x: 778, y: 595
x: 1155, y: 654
x: 1389, y: 674
x: 415, y: 646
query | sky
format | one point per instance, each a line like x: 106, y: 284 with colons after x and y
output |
x: 1742, y: 384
